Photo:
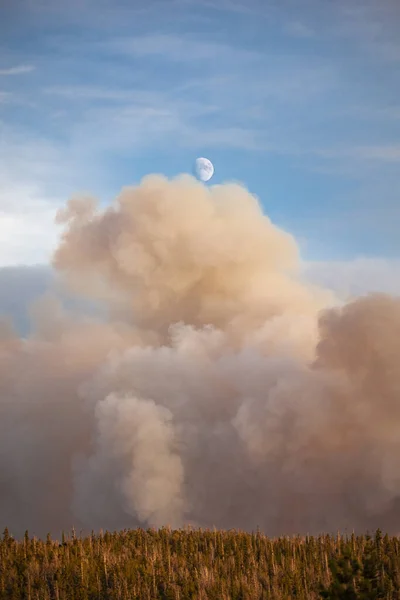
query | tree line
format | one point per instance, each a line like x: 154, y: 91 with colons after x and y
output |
x: 199, y: 564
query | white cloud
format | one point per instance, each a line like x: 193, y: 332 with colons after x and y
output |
x: 18, y: 70
x: 27, y: 231
x: 35, y: 178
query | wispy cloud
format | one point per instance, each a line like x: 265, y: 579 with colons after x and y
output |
x: 87, y: 92
x: 283, y: 84
x: 298, y: 29
x: 382, y: 153
x: 139, y: 126
x: 5, y: 97
x: 18, y: 70
x: 373, y: 26
x: 387, y: 50
x: 137, y: 118
x: 240, y: 7
x: 121, y: 84
x: 179, y: 48
x: 229, y: 137
x: 370, y: 113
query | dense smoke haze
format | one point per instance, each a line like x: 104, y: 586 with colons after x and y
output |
x: 214, y: 386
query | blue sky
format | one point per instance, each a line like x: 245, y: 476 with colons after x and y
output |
x: 297, y: 100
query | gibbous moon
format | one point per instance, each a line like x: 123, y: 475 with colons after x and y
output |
x: 204, y: 169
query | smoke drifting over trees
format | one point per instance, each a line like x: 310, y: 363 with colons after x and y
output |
x: 220, y: 388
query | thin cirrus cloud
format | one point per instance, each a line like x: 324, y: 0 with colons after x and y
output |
x: 141, y: 117
x: 270, y: 91
x: 87, y: 92
x: 180, y: 48
x: 389, y: 153
x: 5, y: 97
x: 383, y: 153
x: 17, y: 70
x: 299, y: 30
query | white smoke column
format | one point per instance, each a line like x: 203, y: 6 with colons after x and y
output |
x: 134, y: 455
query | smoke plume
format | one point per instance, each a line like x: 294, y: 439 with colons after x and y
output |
x: 217, y: 388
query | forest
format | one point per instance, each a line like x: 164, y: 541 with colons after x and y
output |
x: 198, y: 564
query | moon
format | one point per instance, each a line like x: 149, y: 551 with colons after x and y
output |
x: 204, y: 169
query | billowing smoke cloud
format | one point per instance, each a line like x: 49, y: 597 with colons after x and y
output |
x: 219, y: 389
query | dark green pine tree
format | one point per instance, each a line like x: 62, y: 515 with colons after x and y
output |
x: 372, y: 585
x: 344, y: 570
